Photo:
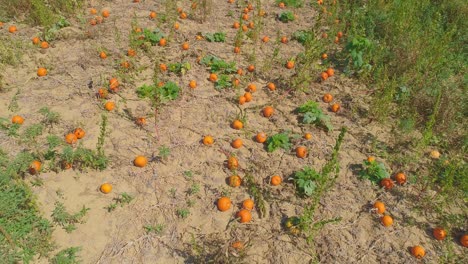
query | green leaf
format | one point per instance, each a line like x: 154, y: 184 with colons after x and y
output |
x: 280, y: 140
x: 216, y: 37
x: 286, y: 17
x: 314, y: 115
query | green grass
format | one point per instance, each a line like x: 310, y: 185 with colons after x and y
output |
x: 414, y: 54
x: 24, y: 233
x: 38, y: 12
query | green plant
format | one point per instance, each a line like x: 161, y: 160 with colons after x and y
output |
x: 66, y: 220
x: 49, y: 117
x: 169, y: 91
x: 51, y: 31
x: 357, y: 47
x: 329, y: 174
x: 286, y: 16
x: 373, y: 171
x: 223, y: 82
x: 218, y: 65
x: 11, y: 129
x: 215, y: 37
x: 122, y: 199
x: 291, y: 3
x: 53, y: 142
x: 24, y: 233
x: 164, y: 152
x: 255, y: 190
x: 179, y: 68
x: 158, y: 228
x: 314, y: 115
x: 306, y: 181
x: 66, y: 256
x: 280, y: 140
x: 39, y: 12
x: 183, y: 212
x: 303, y: 36
x: 194, y: 189
x: 31, y: 133
x: 102, y: 135
x: 152, y: 37
x: 188, y: 174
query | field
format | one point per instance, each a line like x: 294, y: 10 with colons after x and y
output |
x: 262, y: 131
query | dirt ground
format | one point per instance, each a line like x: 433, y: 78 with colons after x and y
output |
x: 161, y: 188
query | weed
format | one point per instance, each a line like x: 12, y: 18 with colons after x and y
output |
x: 218, y: 65
x: 303, y: 36
x: 374, y: 171
x: 24, y: 233
x: 102, y: 135
x: 194, y: 189
x: 66, y: 256
x: 183, y: 213
x: 170, y: 91
x: 223, y: 82
x: 306, y: 222
x: 286, y: 17
x: 49, y: 117
x: 306, y: 181
x: 164, y: 152
x: 50, y: 32
x: 158, y: 229
x: 215, y: 37
x: 188, y: 174
x: 31, y: 133
x: 280, y: 140
x: 122, y: 199
x: 11, y: 129
x: 291, y: 3
x: 314, y: 115
x: 173, y: 192
x: 66, y: 220
x: 357, y: 47
x: 179, y: 68
x: 256, y: 192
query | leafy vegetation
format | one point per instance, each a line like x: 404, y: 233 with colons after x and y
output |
x: 122, y: 199
x: 291, y: 3
x: 305, y: 181
x: 51, y: 31
x: 303, y: 36
x: 179, y: 68
x: 223, y: 82
x: 280, y: 140
x: 218, y: 65
x: 314, y: 115
x: 286, y: 17
x: 215, y: 37
x: 24, y: 233
x: 416, y: 46
x: 328, y: 175
x: 169, y: 91
x: 67, y: 256
x: 374, y: 171
x: 153, y: 37
x: 38, y: 12
x: 66, y: 220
